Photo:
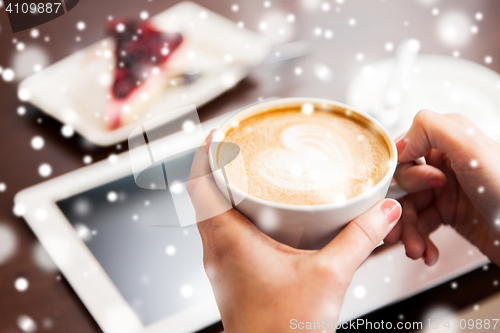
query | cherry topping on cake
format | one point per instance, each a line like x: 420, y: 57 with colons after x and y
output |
x: 139, y: 48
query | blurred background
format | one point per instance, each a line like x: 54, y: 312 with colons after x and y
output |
x: 344, y: 38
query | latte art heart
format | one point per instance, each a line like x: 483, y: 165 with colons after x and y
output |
x: 306, y: 159
x: 311, y: 157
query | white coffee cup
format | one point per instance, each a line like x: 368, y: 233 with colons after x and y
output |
x: 302, y: 226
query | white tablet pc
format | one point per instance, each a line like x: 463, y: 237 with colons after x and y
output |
x: 121, y: 248
x: 118, y: 247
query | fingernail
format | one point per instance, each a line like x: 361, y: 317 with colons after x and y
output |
x: 435, y: 183
x: 391, y: 209
x: 400, y: 145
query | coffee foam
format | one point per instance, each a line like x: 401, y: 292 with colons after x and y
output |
x: 306, y: 158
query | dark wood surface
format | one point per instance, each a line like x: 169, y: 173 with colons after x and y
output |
x: 49, y: 300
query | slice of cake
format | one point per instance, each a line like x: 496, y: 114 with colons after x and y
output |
x: 142, y: 55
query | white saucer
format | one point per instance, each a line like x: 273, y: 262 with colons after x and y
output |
x: 74, y: 89
x: 440, y: 83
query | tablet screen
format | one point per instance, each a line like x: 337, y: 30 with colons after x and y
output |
x: 135, y: 235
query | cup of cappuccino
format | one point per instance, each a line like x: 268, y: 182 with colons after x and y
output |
x: 306, y: 167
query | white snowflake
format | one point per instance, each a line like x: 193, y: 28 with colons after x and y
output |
x: 203, y: 15
x: 453, y: 28
x: 19, y: 210
x: 21, y: 284
x: 67, y: 131
x: 34, y: 33
x: 26, y: 324
x: 8, y: 243
x: 112, y: 196
x: 8, y: 75
x: 228, y: 58
x: 170, y: 250
x: 120, y: 27
x: 87, y: 159
x: 112, y: 158
x: 83, y: 232
x: 21, y: 110
x: 41, y: 214
x: 323, y: 72
x: 186, y: 291
x: 45, y: 170
x: 360, y: 292
x: 24, y: 94
x: 81, y: 25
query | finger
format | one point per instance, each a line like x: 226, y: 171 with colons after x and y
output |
x: 394, y: 235
x: 200, y: 166
x: 462, y: 120
x: 431, y: 254
x: 223, y: 228
x: 205, y: 196
x: 429, y: 220
x: 433, y: 130
x: 358, y: 239
x: 422, y: 199
x: 415, y: 178
x: 436, y: 159
x: 413, y: 241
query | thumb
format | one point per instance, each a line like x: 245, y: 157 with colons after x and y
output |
x: 362, y: 235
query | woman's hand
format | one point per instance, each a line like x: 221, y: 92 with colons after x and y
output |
x: 261, y: 285
x: 459, y: 186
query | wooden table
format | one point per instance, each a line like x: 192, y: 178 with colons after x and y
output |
x: 358, y: 27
